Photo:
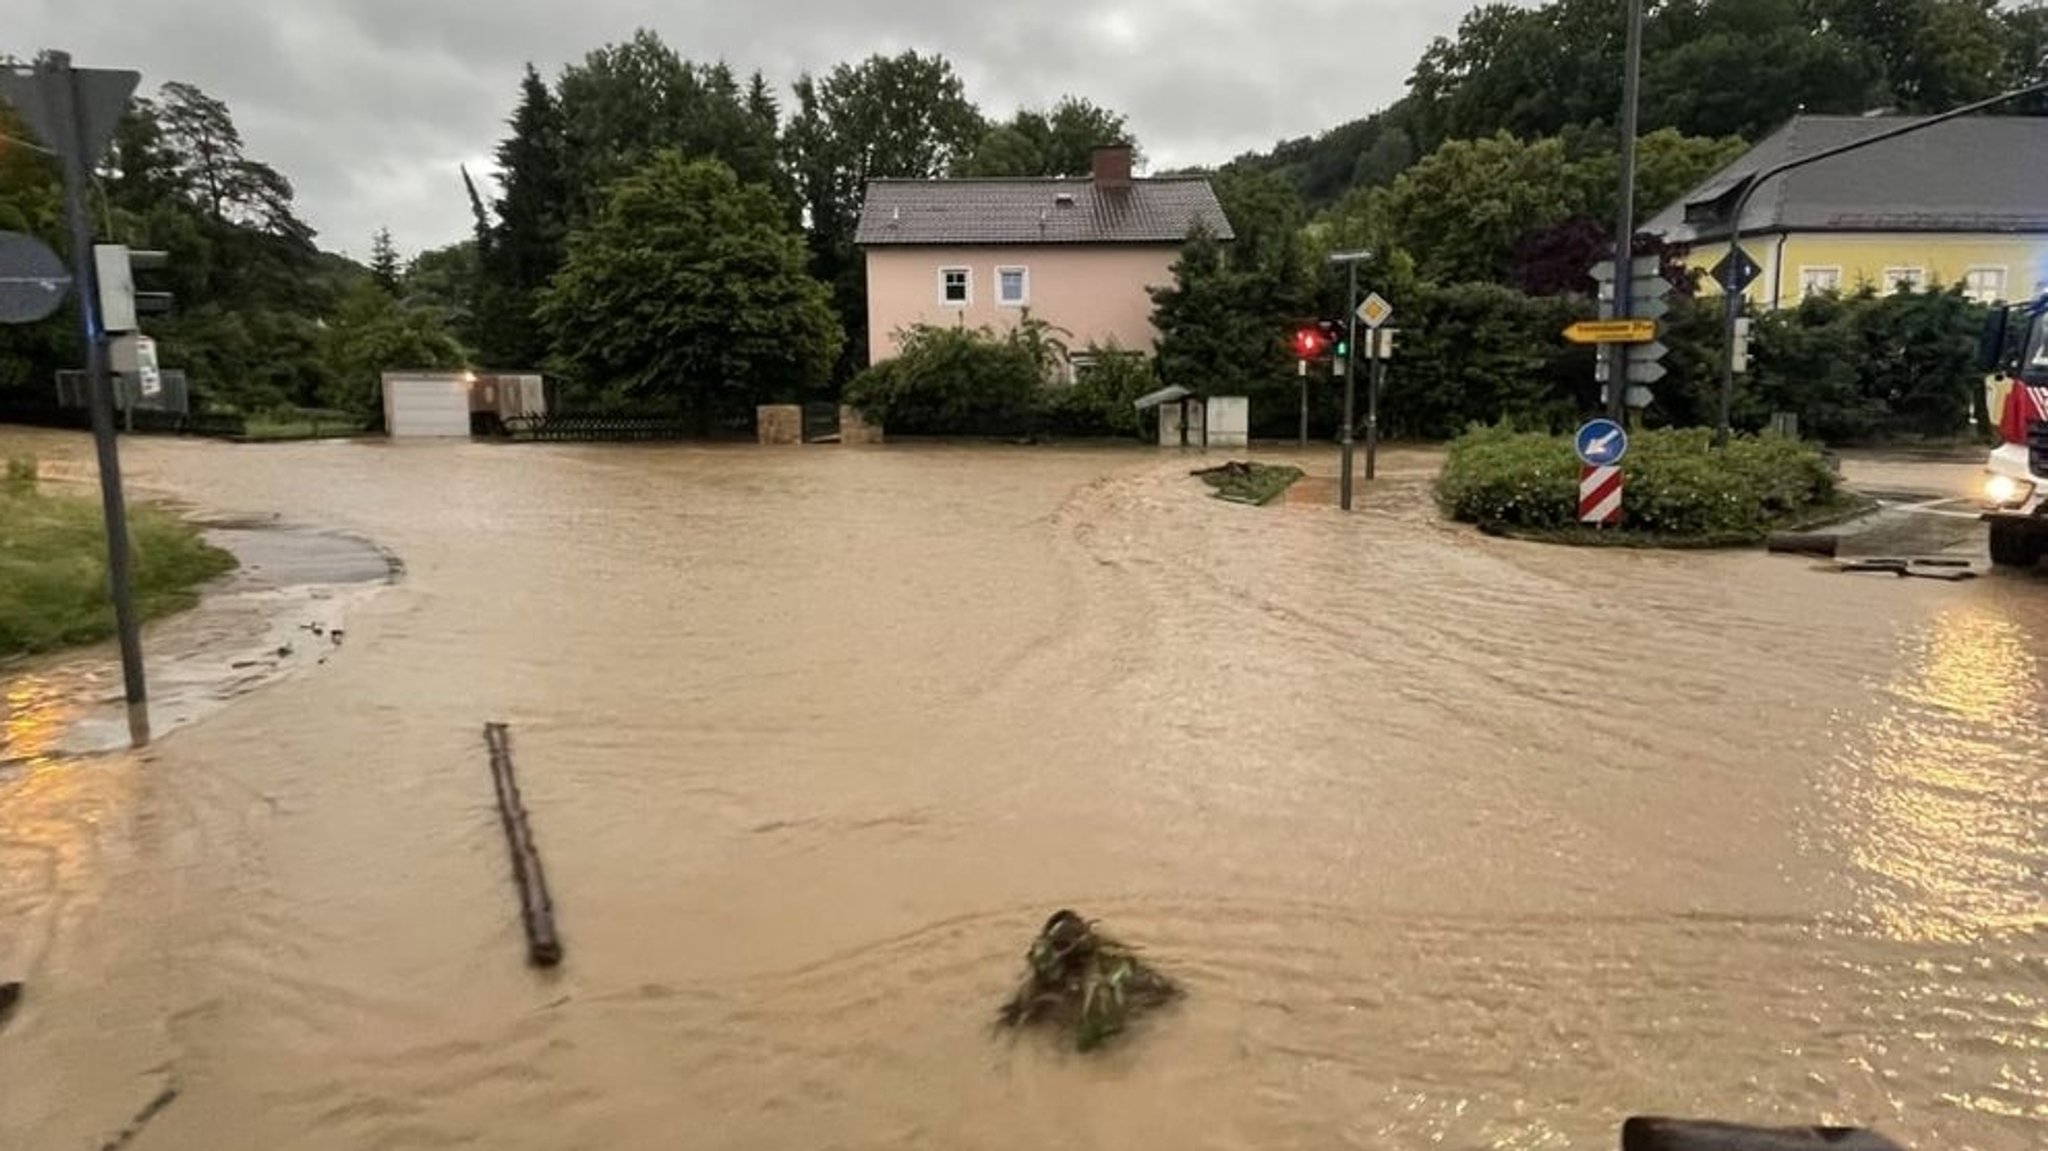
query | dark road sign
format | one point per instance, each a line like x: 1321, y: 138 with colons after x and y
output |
x: 33, y: 280
x: 102, y: 97
x: 1736, y: 271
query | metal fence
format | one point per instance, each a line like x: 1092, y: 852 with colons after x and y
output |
x: 74, y: 390
x: 594, y: 429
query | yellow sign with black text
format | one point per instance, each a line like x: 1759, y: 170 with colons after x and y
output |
x: 1612, y: 332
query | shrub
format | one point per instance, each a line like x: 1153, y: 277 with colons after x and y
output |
x: 954, y: 381
x: 1679, y: 485
x: 1099, y: 401
x: 977, y: 381
x: 1868, y: 366
x: 1497, y: 476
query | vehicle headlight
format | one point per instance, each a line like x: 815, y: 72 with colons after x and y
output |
x: 2006, y: 492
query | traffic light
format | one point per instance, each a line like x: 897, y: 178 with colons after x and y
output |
x: 1739, y: 354
x: 1310, y: 343
x: 1334, y: 338
x: 115, y: 266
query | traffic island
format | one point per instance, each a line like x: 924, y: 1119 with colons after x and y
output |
x: 1660, y: 489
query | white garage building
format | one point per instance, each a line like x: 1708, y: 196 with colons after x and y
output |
x: 426, y: 404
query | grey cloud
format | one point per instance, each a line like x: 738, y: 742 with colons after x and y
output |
x: 370, y: 106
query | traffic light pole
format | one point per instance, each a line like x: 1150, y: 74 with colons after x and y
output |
x: 62, y: 87
x: 1301, y: 369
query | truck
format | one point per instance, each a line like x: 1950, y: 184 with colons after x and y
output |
x: 2015, y: 489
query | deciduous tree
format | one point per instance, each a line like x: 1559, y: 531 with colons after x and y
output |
x: 1060, y: 141
x: 689, y: 292
x: 905, y: 116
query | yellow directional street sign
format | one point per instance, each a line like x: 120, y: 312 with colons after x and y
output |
x: 1612, y: 332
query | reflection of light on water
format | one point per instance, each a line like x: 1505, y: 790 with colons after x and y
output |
x: 1945, y: 800
x: 33, y: 714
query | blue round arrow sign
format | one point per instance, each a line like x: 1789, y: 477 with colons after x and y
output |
x: 1600, y: 443
x: 32, y: 279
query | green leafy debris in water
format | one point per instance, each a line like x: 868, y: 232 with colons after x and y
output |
x: 1083, y: 982
x: 1249, y: 483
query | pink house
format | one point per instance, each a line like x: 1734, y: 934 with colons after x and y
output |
x: 1077, y: 253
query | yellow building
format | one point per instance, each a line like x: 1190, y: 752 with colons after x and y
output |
x: 1965, y: 202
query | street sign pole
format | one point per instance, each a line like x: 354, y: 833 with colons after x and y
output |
x: 1372, y: 407
x: 1625, y: 227
x: 60, y: 88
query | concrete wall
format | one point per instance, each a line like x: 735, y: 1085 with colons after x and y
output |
x: 1096, y: 292
x: 779, y: 423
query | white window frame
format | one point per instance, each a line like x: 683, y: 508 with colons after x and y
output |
x: 1024, y: 279
x: 1890, y: 277
x: 1971, y: 291
x: 966, y: 283
x: 1809, y: 273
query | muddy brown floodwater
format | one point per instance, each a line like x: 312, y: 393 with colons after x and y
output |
x: 1455, y: 842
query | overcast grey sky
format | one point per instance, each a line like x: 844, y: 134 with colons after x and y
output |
x: 368, y: 106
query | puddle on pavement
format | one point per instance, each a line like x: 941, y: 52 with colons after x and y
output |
x: 282, y: 610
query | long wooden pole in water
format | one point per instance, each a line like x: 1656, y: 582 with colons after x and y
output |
x: 543, y: 946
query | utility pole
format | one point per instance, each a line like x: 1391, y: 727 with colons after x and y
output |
x: 62, y: 102
x: 1350, y: 262
x: 1625, y: 226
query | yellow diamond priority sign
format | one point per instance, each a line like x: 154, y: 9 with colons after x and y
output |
x: 1375, y: 310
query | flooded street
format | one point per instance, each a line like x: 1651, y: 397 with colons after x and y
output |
x: 1455, y: 841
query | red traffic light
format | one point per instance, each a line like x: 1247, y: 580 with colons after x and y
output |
x: 1309, y: 343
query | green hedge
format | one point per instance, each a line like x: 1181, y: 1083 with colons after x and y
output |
x: 1678, y: 485
x: 980, y: 382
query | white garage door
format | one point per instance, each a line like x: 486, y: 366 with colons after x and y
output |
x: 433, y: 407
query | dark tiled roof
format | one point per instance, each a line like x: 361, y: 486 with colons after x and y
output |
x: 1975, y: 174
x: 1157, y: 210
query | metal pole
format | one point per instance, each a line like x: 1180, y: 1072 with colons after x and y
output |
x: 1372, y: 406
x: 1350, y: 385
x: 1625, y: 224
x: 1301, y: 369
x: 1732, y: 308
x: 62, y: 85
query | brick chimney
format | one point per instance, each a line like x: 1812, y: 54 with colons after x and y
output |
x: 1111, y: 167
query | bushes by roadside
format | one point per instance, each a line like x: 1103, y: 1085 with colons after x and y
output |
x: 980, y: 382
x: 954, y: 381
x: 1679, y: 487
x: 53, y: 573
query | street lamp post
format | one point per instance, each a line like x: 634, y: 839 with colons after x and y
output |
x: 1349, y: 261
x: 1731, y: 307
